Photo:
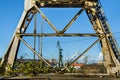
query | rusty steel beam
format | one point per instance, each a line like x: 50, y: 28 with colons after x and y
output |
x: 60, y: 35
x: 61, y: 3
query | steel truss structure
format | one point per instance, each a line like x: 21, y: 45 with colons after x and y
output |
x: 96, y: 16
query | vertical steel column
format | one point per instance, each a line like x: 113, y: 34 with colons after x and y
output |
x: 12, y: 49
x: 109, y: 48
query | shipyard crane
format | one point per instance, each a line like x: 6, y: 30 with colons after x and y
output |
x: 96, y: 15
x: 60, y: 61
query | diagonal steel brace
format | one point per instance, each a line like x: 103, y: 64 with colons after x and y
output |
x: 44, y: 17
x: 66, y: 67
x: 35, y: 52
x: 72, y: 20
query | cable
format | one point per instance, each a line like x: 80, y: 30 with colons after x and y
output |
x: 65, y: 41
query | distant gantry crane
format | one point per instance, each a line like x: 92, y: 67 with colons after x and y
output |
x: 95, y: 13
x: 60, y: 62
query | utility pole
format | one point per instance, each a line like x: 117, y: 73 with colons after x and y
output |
x: 34, y: 42
x: 60, y: 63
x: 34, y: 33
x: 41, y: 43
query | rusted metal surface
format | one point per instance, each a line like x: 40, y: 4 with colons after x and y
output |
x: 66, y: 34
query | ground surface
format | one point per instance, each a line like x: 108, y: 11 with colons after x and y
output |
x: 62, y: 77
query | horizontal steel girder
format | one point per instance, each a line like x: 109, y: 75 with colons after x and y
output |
x: 65, y: 34
x: 61, y: 3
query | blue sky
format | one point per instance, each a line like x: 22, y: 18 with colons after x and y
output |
x: 11, y: 11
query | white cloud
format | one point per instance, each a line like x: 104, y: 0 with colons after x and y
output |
x: 100, y: 56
